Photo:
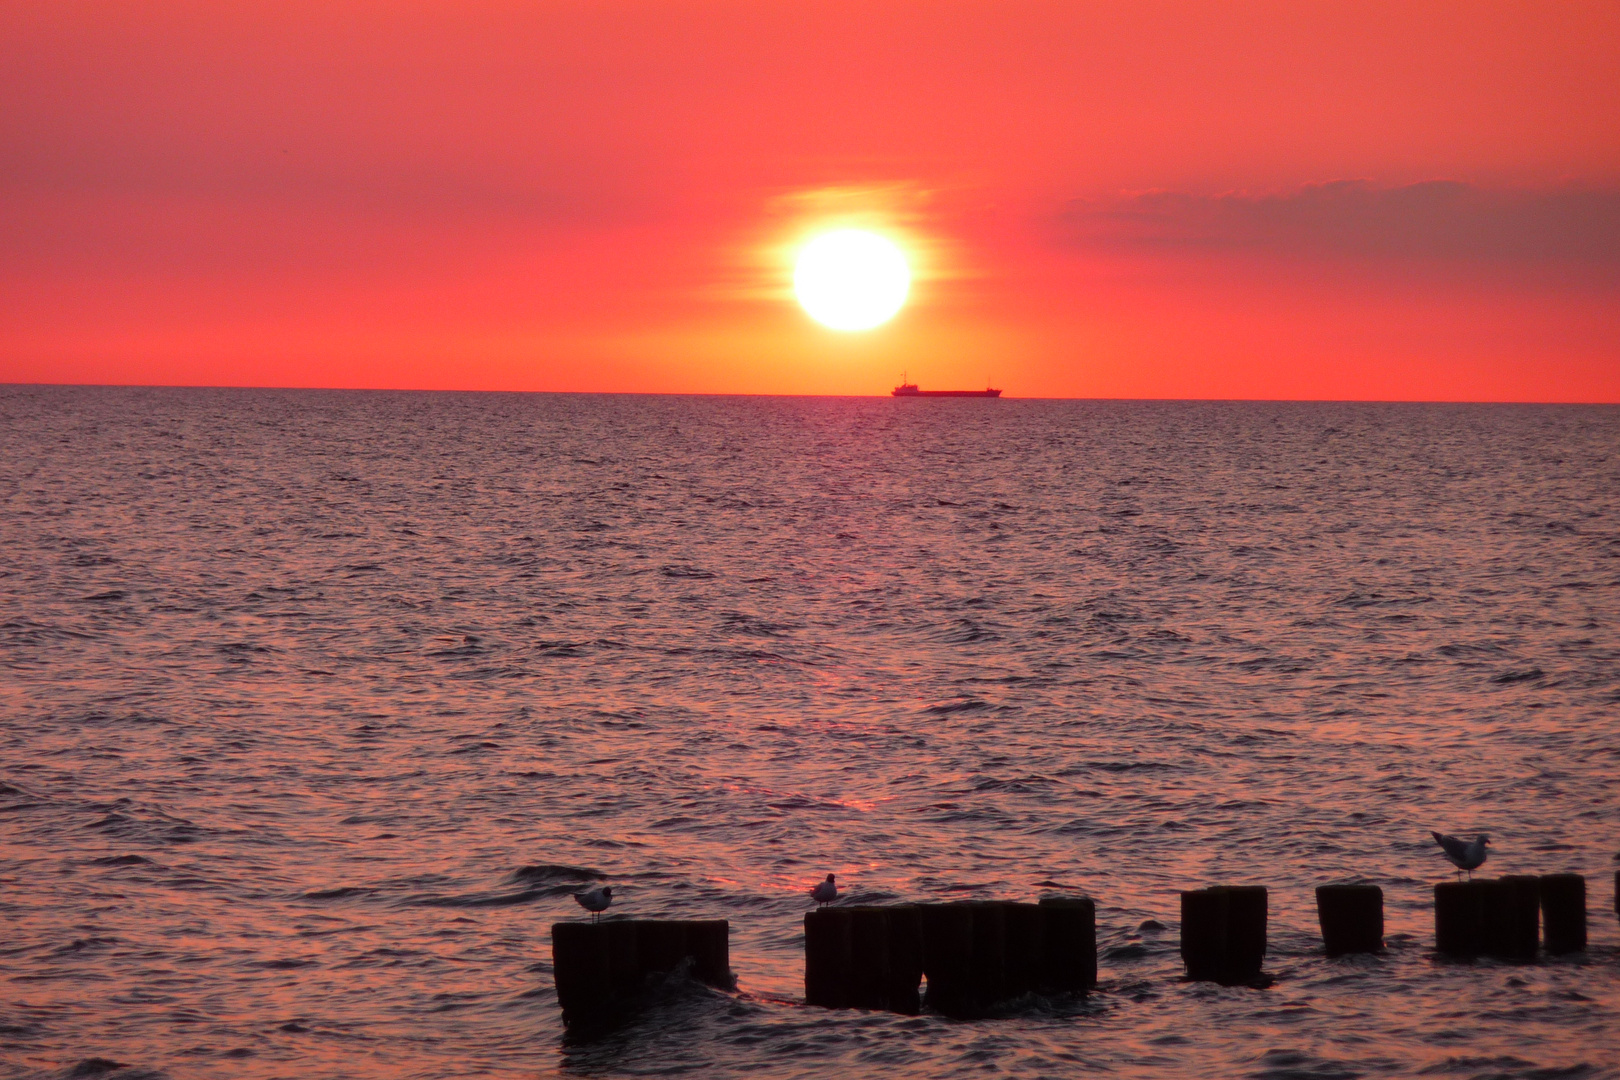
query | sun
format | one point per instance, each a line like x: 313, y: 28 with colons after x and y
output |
x: 851, y: 279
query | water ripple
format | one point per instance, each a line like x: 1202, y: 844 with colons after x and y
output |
x: 315, y: 708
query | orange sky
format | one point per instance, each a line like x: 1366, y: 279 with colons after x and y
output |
x: 1178, y: 199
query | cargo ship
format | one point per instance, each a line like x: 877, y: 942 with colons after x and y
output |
x: 906, y: 389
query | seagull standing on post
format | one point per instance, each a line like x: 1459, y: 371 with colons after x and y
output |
x: 825, y: 893
x: 1463, y: 855
x: 595, y: 901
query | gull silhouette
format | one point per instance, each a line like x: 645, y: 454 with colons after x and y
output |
x: 1463, y: 855
x: 595, y: 901
x: 825, y: 892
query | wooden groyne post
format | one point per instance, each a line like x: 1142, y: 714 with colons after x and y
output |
x: 1223, y: 933
x: 1499, y: 918
x: 973, y: 954
x: 1069, y: 929
x: 601, y: 967
x: 863, y: 958
x: 1563, y: 912
x: 1352, y: 918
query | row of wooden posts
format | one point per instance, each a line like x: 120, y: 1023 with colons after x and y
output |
x: 975, y: 953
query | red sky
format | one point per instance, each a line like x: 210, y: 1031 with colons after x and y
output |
x: 1178, y: 199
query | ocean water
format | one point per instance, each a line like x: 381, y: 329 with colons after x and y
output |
x: 316, y: 707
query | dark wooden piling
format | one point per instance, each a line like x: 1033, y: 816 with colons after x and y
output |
x: 1024, y: 938
x: 1513, y: 917
x: 869, y: 958
x: 989, y: 955
x: 947, y: 939
x: 905, y: 959
x: 660, y: 944
x: 1499, y: 917
x: 708, y: 946
x: 827, y: 957
x: 1563, y: 912
x: 1223, y: 933
x: 600, y: 967
x: 863, y: 958
x: 973, y: 954
x: 582, y: 965
x: 1010, y: 949
x: 622, y: 943
x: 1352, y: 918
x: 1069, y: 944
x: 1459, y: 918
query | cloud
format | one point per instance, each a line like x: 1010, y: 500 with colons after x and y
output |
x: 1438, y: 220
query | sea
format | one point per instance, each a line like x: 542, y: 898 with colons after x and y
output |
x: 316, y: 709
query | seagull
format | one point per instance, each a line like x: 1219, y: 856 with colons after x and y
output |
x: 825, y: 893
x: 595, y: 901
x: 1463, y: 855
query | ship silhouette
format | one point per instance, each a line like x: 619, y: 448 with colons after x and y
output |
x: 909, y: 389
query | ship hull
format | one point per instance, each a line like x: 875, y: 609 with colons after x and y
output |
x: 945, y: 393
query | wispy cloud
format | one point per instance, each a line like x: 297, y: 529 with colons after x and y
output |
x: 1436, y: 220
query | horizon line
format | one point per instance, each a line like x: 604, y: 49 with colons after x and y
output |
x: 720, y: 394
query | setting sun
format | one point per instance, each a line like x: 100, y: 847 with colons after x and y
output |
x: 851, y: 279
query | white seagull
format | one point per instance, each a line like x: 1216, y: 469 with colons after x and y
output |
x: 825, y: 893
x: 1463, y: 855
x: 595, y: 901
